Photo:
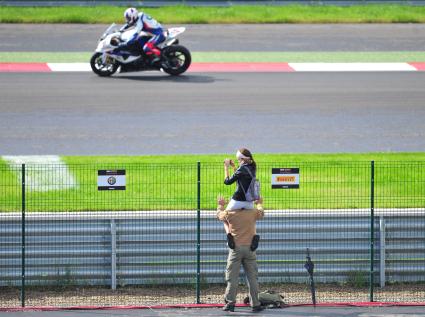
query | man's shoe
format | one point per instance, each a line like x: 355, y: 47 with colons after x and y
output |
x: 257, y: 309
x: 230, y: 241
x: 254, y: 242
x: 229, y: 307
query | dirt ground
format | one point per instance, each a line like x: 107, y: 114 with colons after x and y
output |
x: 147, y: 296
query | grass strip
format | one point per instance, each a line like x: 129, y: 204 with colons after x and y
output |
x: 169, y: 182
x: 233, y: 57
x: 234, y: 14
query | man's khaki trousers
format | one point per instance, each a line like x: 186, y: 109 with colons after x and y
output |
x: 241, y: 255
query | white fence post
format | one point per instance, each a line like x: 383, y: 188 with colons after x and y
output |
x: 113, y: 255
x: 382, y: 250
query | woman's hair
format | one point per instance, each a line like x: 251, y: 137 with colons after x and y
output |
x: 247, y: 153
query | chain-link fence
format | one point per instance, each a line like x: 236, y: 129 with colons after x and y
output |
x: 146, y: 234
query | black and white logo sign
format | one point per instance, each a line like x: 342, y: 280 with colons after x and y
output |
x: 111, y: 179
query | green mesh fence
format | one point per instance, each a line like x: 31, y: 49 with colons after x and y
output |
x: 400, y: 231
x: 158, y: 240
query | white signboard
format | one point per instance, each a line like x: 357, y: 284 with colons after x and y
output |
x: 285, y: 178
x: 111, y: 180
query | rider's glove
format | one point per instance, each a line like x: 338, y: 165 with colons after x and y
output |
x: 115, y: 41
x: 124, y: 27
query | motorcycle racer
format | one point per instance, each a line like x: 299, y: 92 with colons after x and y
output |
x: 143, y: 22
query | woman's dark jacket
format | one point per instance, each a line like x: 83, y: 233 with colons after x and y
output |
x: 242, y: 177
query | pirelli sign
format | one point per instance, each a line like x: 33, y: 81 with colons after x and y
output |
x: 285, y: 178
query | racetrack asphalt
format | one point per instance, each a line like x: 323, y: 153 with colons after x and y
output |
x: 229, y: 37
x: 152, y: 113
x: 82, y: 114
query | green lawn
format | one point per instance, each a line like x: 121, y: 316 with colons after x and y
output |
x: 328, y: 181
x: 234, y: 14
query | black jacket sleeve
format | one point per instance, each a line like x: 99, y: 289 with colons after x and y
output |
x: 230, y: 180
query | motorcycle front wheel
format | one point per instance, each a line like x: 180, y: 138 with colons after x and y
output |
x: 101, y: 68
x: 176, y: 59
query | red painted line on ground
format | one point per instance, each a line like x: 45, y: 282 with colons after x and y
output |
x: 195, y: 67
x: 240, y: 67
x: 24, y: 67
x: 418, y: 66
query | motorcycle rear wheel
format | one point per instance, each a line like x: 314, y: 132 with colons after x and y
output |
x: 176, y: 59
x: 103, y: 69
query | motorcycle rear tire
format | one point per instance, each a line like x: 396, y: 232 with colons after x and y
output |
x: 103, y: 73
x: 172, y: 52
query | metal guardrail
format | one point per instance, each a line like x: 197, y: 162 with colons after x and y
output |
x: 144, y: 248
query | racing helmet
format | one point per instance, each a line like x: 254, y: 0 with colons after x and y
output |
x: 131, y: 15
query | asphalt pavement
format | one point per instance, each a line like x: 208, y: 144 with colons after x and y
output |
x: 152, y: 113
x: 82, y: 114
x: 392, y: 311
x: 229, y: 37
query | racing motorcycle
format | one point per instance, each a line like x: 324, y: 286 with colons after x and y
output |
x: 174, y: 60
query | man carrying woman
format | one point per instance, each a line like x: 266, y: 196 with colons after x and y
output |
x: 239, y: 219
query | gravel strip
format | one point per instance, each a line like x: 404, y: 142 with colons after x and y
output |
x: 135, y: 296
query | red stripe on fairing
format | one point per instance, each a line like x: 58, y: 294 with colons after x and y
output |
x: 418, y: 66
x: 24, y: 67
x: 240, y: 67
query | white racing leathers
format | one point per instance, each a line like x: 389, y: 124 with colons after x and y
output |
x: 148, y: 25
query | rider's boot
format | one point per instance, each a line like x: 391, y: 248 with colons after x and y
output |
x: 154, y: 54
x: 154, y: 59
